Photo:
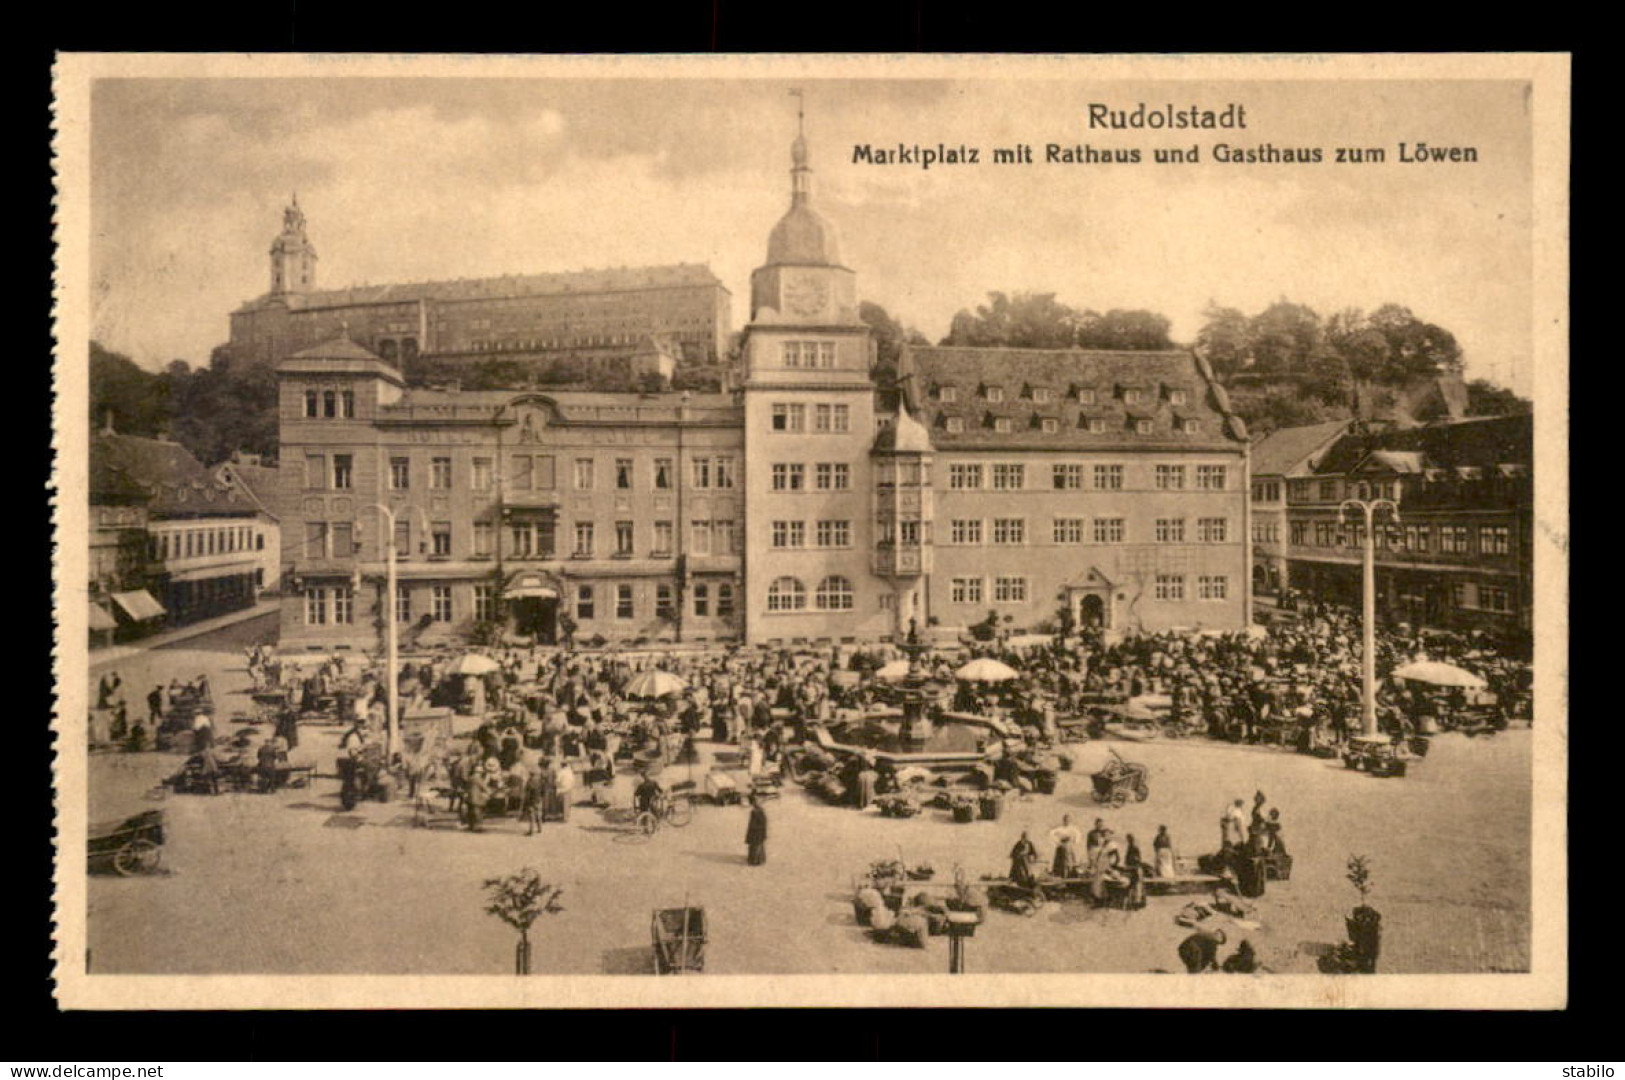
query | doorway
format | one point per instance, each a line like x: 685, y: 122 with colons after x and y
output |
x: 537, y: 617
x: 1091, y: 611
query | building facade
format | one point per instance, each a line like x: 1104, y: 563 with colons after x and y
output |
x: 171, y: 542
x: 612, y: 516
x: 1109, y: 485
x: 1461, y: 554
x: 589, y: 314
x: 1280, y: 457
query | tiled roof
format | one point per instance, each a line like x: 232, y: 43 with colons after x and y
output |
x: 130, y: 459
x: 1286, y: 449
x: 165, y: 473
x: 610, y: 279
x: 1486, y: 442
x: 924, y: 369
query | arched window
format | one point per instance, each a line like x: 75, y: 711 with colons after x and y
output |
x: 786, y: 594
x: 834, y: 594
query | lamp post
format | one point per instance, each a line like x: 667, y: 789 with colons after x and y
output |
x: 392, y: 682
x: 1368, y: 618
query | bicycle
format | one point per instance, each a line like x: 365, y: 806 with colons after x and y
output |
x: 674, y: 810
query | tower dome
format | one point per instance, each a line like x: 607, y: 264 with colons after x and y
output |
x: 802, y: 237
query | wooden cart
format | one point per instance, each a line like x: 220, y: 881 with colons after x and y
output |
x: 679, y: 940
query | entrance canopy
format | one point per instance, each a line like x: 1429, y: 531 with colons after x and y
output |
x: 529, y: 583
x: 139, y: 605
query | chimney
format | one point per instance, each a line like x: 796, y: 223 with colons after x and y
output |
x: 107, y: 420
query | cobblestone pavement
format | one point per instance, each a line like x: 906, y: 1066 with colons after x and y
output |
x: 287, y: 883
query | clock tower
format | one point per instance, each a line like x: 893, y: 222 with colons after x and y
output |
x: 809, y: 422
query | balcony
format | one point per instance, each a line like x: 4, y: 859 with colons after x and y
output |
x: 902, y: 560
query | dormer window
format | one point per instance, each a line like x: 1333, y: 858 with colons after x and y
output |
x: 1001, y: 424
x: 1142, y: 426
x: 1049, y: 425
x: 1178, y: 397
x: 1190, y: 427
x: 954, y: 424
x: 993, y: 393
x: 1132, y: 396
x: 1085, y: 395
x: 1097, y: 425
x: 947, y: 394
x: 1041, y: 395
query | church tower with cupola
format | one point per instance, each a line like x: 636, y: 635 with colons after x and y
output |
x: 809, y: 422
x: 293, y: 256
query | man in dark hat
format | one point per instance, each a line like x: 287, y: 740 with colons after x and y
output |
x: 756, y: 833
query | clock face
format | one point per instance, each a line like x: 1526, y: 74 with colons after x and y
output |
x: 806, y: 296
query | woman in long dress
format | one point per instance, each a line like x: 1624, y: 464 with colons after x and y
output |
x: 1166, y: 861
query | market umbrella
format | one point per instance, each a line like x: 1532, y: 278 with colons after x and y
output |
x: 986, y: 669
x: 475, y: 664
x: 893, y: 671
x: 1438, y: 673
x: 654, y: 684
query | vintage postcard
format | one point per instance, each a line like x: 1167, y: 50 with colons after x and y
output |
x: 816, y: 530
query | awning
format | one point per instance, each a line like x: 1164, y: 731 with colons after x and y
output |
x: 100, y: 619
x: 139, y: 605
x: 543, y: 592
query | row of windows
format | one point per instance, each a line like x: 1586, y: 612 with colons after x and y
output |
x: 1071, y: 476
x: 1208, y: 587
x: 808, y: 354
x: 527, y: 472
x: 220, y: 540
x: 827, y: 418
x: 335, y: 605
x: 971, y: 590
x: 1083, y: 395
x: 1095, y: 425
x: 834, y: 593
x: 1072, y: 530
x: 329, y: 404
x: 1266, y: 532
x: 1331, y: 490
x: 1493, y: 598
x: 826, y: 534
x: 1445, y: 539
x: 527, y: 539
x: 827, y: 476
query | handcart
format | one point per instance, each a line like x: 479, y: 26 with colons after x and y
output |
x: 1120, y: 779
x: 679, y: 940
x: 132, y: 846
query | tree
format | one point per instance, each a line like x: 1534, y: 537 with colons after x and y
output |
x: 1226, y: 339
x: 1484, y: 398
x: 1414, y: 347
x: 1021, y: 320
x: 137, y: 400
x: 1286, y: 338
x: 519, y: 900
x: 1122, y: 328
x: 890, y: 337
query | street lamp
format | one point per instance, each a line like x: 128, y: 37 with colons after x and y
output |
x: 1368, y: 659
x: 392, y: 683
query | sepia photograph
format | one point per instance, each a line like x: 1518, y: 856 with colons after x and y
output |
x: 836, y: 530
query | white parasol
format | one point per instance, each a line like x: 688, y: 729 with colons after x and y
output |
x: 986, y: 669
x: 654, y: 684
x: 475, y: 664
x: 1438, y: 673
x: 893, y: 671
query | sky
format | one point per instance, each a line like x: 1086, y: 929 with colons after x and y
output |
x: 406, y: 179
